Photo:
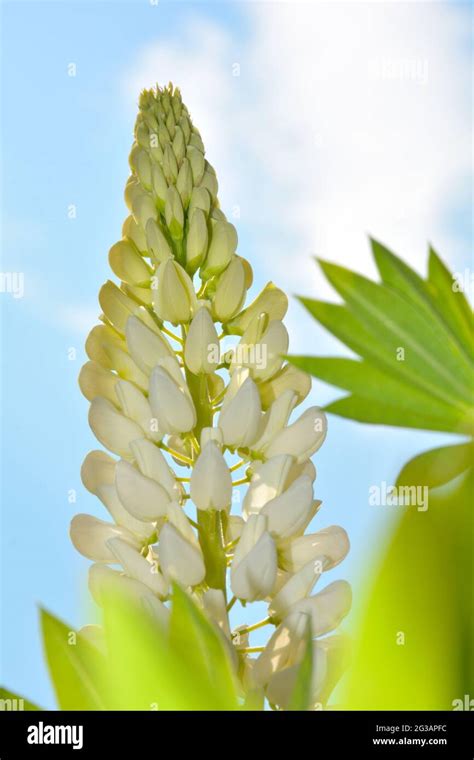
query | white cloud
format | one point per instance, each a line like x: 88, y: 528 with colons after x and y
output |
x: 348, y: 119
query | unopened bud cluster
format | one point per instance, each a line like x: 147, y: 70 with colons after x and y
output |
x: 189, y: 425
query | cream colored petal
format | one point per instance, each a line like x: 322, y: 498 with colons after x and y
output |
x: 146, y: 347
x: 141, y: 496
x: 179, y: 559
x: 137, y: 567
x: 303, y: 438
x: 211, y: 481
x: 90, y: 536
x: 112, y: 429
x: 289, y: 513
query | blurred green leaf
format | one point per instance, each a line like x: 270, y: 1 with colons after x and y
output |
x: 74, y: 666
x: 10, y: 701
x: 437, y: 467
x: 451, y: 304
x: 416, y: 629
x: 205, y: 651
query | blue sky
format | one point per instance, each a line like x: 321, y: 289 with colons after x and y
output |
x: 314, y: 149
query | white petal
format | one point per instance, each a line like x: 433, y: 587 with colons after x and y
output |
x: 254, y: 566
x: 326, y: 609
x: 142, y: 497
x: 303, y: 438
x: 282, y: 683
x: 267, y: 483
x: 201, y: 350
x: 98, y: 469
x: 112, y: 429
x: 173, y: 409
x: 284, y: 648
x: 240, y: 419
x: 110, y: 499
x: 151, y: 462
x: 289, y: 513
x: 275, y: 419
x: 136, y: 407
x: 330, y: 544
x: 137, y: 567
x: 211, y: 481
x: 179, y: 559
x: 296, y: 588
x: 90, y: 536
x: 145, y: 346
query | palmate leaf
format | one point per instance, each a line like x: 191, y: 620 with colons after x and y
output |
x: 415, y: 339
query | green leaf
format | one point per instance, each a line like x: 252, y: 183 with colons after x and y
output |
x: 439, y: 466
x: 9, y: 701
x: 204, y: 650
x: 394, y: 399
x: 151, y: 667
x: 74, y: 666
x: 301, y: 695
x: 416, y: 627
x: 451, y: 304
x: 398, y: 275
x: 395, y: 323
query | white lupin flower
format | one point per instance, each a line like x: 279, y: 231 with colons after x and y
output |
x: 143, y: 497
x: 255, y: 561
x: 164, y: 393
x: 211, y: 481
x: 90, y: 536
x: 172, y: 407
x: 201, y: 350
x: 239, y: 420
x: 301, y: 439
x: 137, y: 567
x: 179, y: 551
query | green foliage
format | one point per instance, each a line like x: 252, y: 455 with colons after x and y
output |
x: 143, y: 665
x: 301, y: 696
x: 415, y: 368
x: 414, y: 340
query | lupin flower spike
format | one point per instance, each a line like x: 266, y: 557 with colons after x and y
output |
x: 179, y: 412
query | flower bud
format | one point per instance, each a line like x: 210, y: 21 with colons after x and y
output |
x: 174, y: 213
x: 160, y: 186
x: 132, y: 231
x: 179, y: 145
x: 184, y: 183
x: 143, y: 497
x: 326, y: 609
x: 290, y: 512
x: 109, y: 497
x: 271, y: 301
x: 196, y: 241
x: 112, y: 429
x: 128, y: 265
x: 172, y: 407
x: 267, y: 483
x: 151, y: 463
x: 303, y: 438
x: 211, y: 481
x: 143, y: 169
x: 330, y: 545
x: 288, y: 378
x: 201, y: 350
x: 170, y: 166
x: 95, y: 381
x: 179, y: 551
x: 144, y: 209
x: 201, y: 199
x: 239, y: 418
x: 230, y: 291
x: 136, y: 407
x: 254, y: 565
x: 90, y: 536
x: 262, y: 354
x: 196, y: 160
x: 275, y: 419
x: 146, y: 347
x: 296, y: 588
x: 98, y: 469
x: 137, y: 567
x: 157, y: 244
x: 209, y: 181
x: 175, y: 297
x: 221, y: 249
x: 116, y: 306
